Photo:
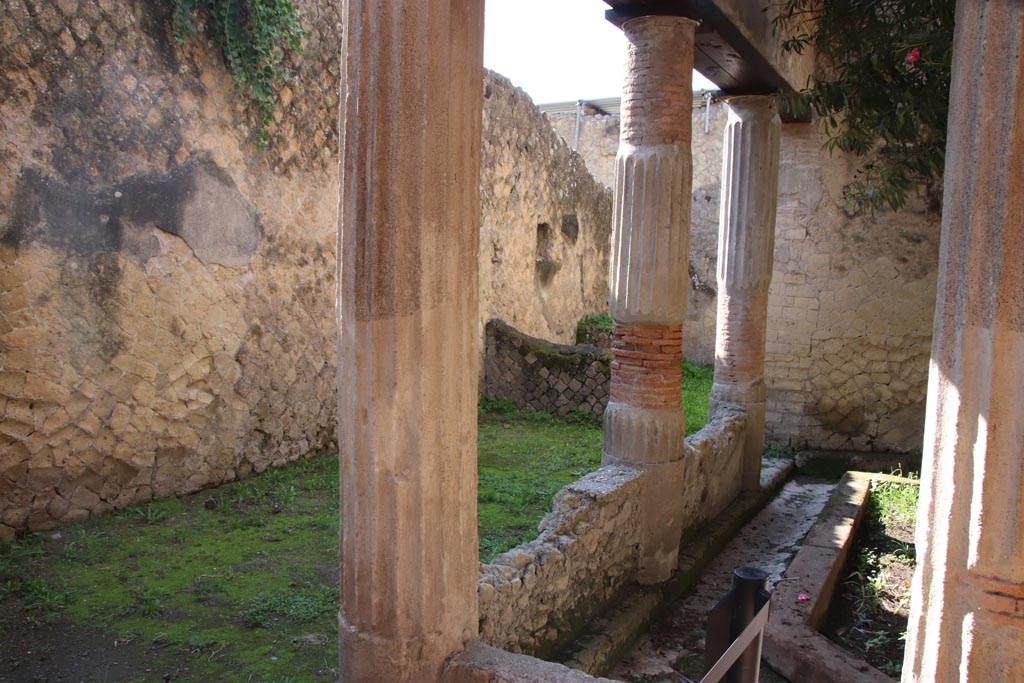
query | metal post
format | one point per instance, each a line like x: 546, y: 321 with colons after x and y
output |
x: 579, y: 114
x: 730, y: 616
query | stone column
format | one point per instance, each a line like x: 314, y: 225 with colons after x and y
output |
x: 746, y: 240
x: 644, y: 422
x: 967, y: 609
x: 408, y: 335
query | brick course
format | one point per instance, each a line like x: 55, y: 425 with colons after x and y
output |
x: 647, y: 370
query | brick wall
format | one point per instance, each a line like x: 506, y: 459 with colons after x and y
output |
x: 539, y: 375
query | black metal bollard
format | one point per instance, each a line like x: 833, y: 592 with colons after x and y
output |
x: 730, y: 616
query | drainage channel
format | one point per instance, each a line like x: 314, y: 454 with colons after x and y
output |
x: 672, y: 651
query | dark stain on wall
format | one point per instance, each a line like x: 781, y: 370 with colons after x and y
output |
x: 197, y: 201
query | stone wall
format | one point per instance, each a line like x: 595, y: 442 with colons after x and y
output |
x: 850, y: 311
x: 598, y: 141
x: 546, y: 228
x: 166, y: 287
x: 539, y: 375
x: 537, y: 597
x: 713, y: 462
x: 851, y: 303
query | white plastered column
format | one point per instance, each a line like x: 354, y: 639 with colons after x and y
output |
x: 407, y: 335
x: 967, y: 607
x: 746, y: 241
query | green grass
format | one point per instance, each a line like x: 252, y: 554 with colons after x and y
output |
x: 240, y: 582
x: 697, y: 380
x: 592, y: 322
x: 221, y: 582
x: 524, y: 458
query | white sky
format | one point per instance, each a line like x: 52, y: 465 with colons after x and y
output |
x: 557, y: 50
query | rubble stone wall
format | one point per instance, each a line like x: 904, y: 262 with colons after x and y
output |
x: 851, y: 302
x: 547, y: 223
x: 166, y: 287
x: 539, y: 375
x: 713, y: 460
x: 850, y: 310
x: 538, y: 596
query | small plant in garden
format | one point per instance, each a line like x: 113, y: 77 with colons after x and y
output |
x: 150, y: 513
x: 299, y: 605
x: 882, y: 92
x: 592, y: 322
x: 774, y: 451
x: 148, y: 602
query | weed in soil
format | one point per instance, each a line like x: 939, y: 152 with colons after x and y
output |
x: 869, y: 614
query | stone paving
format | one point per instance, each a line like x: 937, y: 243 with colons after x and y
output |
x: 673, y: 650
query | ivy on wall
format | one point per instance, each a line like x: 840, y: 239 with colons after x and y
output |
x: 882, y: 91
x: 253, y: 37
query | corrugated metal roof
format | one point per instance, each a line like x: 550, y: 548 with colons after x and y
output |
x: 604, y: 105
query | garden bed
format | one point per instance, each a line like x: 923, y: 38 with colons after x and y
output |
x: 794, y: 643
x: 869, y: 612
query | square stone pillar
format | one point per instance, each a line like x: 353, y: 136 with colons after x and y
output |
x: 644, y: 421
x: 408, y: 335
x: 746, y: 242
x: 967, y: 605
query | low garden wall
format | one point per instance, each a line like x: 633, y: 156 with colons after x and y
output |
x: 539, y: 375
x: 713, y: 462
x: 537, y: 597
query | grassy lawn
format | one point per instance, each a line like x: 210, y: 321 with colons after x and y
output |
x: 233, y: 584
x: 525, y: 457
x: 240, y: 583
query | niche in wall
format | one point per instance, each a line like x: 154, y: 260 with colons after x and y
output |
x: 545, y: 263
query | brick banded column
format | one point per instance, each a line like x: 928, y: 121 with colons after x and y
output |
x: 644, y: 422
x: 408, y: 335
x: 746, y: 241
x: 967, y: 608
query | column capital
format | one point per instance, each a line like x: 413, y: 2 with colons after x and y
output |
x: 752, y: 105
x: 660, y: 8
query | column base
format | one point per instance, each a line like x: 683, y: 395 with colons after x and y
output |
x: 750, y: 398
x: 368, y: 658
x: 651, y: 440
x: 642, y: 436
x: 661, y: 519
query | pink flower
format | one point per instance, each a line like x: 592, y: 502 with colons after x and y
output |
x: 803, y: 597
x: 913, y: 56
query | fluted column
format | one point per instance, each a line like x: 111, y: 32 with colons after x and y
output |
x: 967, y: 607
x: 407, y: 335
x: 644, y: 422
x: 746, y: 240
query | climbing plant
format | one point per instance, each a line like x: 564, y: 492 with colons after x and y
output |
x: 253, y: 37
x: 882, y: 89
